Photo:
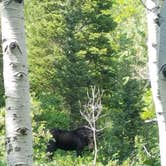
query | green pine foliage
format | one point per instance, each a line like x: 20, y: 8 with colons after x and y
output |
x: 85, y: 43
x: 73, y: 45
x: 73, y: 38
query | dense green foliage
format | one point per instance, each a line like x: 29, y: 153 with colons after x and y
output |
x: 73, y: 45
x: 79, y: 53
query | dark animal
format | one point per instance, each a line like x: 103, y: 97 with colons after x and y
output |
x: 70, y: 140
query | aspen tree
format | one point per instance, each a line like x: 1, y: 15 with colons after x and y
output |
x: 156, y: 20
x: 15, y: 72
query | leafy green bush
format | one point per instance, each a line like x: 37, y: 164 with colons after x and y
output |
x: 3, y: 162
x: 107, y: 156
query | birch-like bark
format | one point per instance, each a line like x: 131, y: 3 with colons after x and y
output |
x: 162, y: 84
x: 1, y: 69
x: 15, y: 71
x: 157, y: 59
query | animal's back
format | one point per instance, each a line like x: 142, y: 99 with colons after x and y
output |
x: 67, y: 140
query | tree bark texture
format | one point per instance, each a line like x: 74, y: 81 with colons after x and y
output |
x: 157, y: 59
x: 15, y: 72
x: 162, y: 83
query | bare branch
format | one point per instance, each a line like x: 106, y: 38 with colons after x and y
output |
x: 151, y: 120
x: 91, y: 113
x: 147, y: 151
x: 99, y: 130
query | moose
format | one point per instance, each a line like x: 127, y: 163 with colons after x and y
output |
x: 70, y: 140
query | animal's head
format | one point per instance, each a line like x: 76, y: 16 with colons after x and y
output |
x: 85, y: 132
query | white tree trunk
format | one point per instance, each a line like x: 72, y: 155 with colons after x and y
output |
x: 162, y: 84
x: 157, y: 59
x: 17, y: 119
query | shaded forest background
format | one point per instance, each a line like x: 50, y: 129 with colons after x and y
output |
x: 73, y: 45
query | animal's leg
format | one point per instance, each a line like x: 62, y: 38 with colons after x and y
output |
x: 79, y: 151
x: 51, y: 147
